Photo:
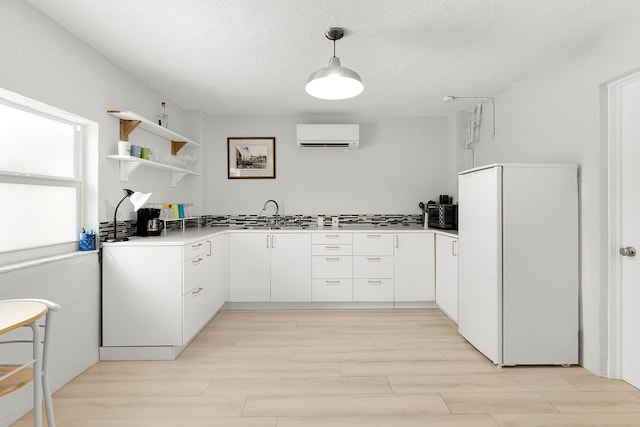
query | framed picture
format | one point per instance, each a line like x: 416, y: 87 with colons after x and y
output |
x: 251, y: 157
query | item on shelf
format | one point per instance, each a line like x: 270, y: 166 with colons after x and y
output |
x: 124, y: 148
x: 145, y: 152
x: 136, y: 150
x: 176, y: 211
x: 163, y: 117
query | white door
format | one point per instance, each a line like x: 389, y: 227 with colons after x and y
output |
x: 630, y: 160
x: 290, y: 267
x: 480, y: 260
x: 414, y: 261
x: 249, y: 267
x: 447, y: 275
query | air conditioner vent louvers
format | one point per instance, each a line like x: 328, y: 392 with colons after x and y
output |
x: 328, y: 136
x: 321, y: 144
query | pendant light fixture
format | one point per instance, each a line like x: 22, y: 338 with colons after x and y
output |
x: 334, y: 82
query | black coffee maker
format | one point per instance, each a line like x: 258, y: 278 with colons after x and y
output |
x: 149, y: 223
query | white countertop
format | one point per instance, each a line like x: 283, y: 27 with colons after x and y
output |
x: 188, y: 236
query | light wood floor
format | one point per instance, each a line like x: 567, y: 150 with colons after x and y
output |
x: 310, y: 368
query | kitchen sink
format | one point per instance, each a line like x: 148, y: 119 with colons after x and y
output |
x: 270, y: 227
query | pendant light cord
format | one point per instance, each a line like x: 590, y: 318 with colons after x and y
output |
x: 334, y: 48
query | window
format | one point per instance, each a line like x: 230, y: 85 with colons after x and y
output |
x: 41, y: 186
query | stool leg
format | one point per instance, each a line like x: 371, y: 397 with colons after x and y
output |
x: 51, y: 421
x: 37, y: 376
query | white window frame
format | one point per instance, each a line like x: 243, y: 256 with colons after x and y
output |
x: 84, y: 180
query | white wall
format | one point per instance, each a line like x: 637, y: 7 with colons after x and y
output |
x: 401, y: 161
x: 554, y: 115
x: 74, y: 284
x: 45, y: 62
x: 42, y: 61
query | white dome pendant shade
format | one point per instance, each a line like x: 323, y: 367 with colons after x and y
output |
x: 334, y: 82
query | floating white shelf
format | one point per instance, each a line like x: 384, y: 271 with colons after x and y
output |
x: 130, y: 120
x: 129, y: 164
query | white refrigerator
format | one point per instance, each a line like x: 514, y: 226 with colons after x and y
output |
x: 518, y: 268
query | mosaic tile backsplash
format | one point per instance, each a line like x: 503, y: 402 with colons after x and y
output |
x: 128, y: 228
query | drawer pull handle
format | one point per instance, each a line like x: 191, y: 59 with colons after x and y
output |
x: 374, y: 282
x: 372, y: 259
x: 332, y: 282
x: 196, y: 261
x: 373, y: 236
x: 454, y: 247
x: 334, y: 248
x: 331, y: 236
x: 196, y: 246
x: 196, y: 291
x: 332, y: 259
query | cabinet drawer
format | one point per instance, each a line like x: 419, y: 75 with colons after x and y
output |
x: 373, y: 267
x: 332, y: 290
x: 331, y: 267
x: 331, y: 238
x: 195, y: 249
x: 195, y: 311
x: 372, y: 244
x: 373, y: 290
x: 331, y: 249
x: 195, y: 272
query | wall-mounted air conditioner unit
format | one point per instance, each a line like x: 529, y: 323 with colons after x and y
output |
x: 328, y: 136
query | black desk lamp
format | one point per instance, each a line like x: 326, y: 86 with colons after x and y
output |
x: 137, y: 199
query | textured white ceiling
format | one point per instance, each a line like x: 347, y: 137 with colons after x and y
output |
x: 254, y: 56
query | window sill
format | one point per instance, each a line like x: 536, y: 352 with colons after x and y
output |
x: 39, y: 261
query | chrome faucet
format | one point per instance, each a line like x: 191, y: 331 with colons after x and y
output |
x: 264, y: 207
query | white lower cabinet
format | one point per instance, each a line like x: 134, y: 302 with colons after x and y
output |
x: 447, y: 275
x: 142, y: 296
x: 290, y: 267
x: 197, y: 297
x: 155, y: 298
x: 249, y: 267
x: 332, y: 290
x: 373, y: 290
x: 332, y: 267
x: 218, y: 274
x: 267, y: 267
x: 373, y: 267
x: 158, y: 295
x: 414, y: 260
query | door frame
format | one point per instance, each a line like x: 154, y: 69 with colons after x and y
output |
x: 614, y: 142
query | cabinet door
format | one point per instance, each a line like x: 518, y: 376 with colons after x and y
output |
x: 196, y: 306
x: 414, y: 260
x: 373, y: 290
x: 218, y: 272
x: 332, y: 267
x: 331, y: 238
x: 142, y: 295
x: 332, y: 289
x: 373, y: 267
x: 372, y: 244
x: 290, y: 267
x: 249, y: 267
x: 447, y: 275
